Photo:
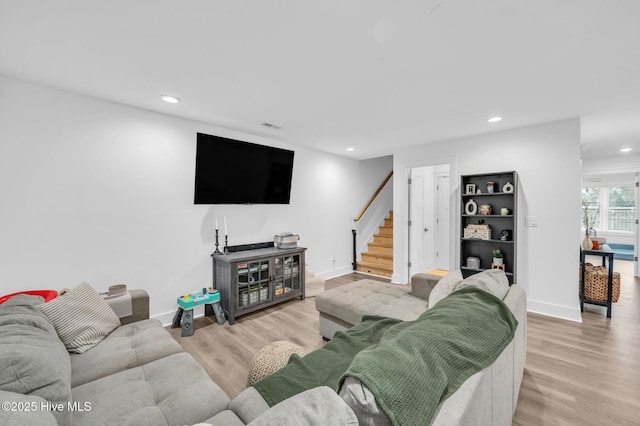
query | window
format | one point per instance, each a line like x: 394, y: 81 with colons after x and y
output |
x: 591, y: 208
x: 609, y: 209
x: 622, y: 208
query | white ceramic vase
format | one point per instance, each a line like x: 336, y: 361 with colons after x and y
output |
x: 586, y: 243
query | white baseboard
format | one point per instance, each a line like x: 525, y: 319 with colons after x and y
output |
x: 166, y: 318
x: 327, y: 275
x: 563, y: 312
x: 397, y: 279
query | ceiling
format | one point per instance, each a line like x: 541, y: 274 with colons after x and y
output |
x: 372, y: 75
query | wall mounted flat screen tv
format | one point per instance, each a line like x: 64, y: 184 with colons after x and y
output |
x: 230, y: 171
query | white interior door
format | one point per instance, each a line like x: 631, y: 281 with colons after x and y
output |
x: 442, y: 221
x: 419, y: 229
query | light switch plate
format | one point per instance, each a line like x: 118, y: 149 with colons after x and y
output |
x: 531, y: 221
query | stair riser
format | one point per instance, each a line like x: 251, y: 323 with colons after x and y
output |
x: 378, y: 260
x: 386, y: 239
x: 373, y: 249
x: 376, y: 271
x: 385, y: 230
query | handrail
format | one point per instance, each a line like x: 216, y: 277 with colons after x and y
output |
x: 373, y: 197
x: 353, y: 231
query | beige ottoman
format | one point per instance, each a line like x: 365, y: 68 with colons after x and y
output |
x: 343, y: 307
x: 271, y: 358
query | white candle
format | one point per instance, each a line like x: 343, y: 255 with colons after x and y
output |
x: 216, y: 223
x: 225, y: 226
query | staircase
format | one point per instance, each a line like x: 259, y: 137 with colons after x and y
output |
x: 378, y: 259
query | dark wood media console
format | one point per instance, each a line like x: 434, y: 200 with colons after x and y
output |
x: 250, y: 280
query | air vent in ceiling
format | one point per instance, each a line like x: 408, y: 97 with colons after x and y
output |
x: 272, y: 126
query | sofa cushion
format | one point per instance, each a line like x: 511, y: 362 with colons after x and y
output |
x: 360, y: 399
x: 249, y: 404
x: 81, y: 317
x: 29, y: 412
x: 127, y: 346
x: 369, y: 297
x: 446, y: 285
x: 33, y: 361
x: 224, y: 418
x: 493, y: 281
x: 319, y: 406
x: 174, y: 390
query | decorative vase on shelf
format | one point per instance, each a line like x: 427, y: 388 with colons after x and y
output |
x: 471, y: 208
x: 490, y: 187
x: 498, y: 260
x: 586, y: 243
x: 485, y: 209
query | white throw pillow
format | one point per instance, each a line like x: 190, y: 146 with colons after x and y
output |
x: 82, y: 318
x: 493, y: 281
x: 445, y: 287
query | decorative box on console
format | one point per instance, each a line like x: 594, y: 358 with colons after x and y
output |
x: 286, y: 240
x: 480, y: 232
x: 473, y: 262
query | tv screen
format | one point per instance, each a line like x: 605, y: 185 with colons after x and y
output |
x: 230, y: 171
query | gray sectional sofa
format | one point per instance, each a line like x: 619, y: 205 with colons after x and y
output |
x: 139, y: 375
x: 488, y: 397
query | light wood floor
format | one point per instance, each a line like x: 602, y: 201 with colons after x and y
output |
x: 576, y: 373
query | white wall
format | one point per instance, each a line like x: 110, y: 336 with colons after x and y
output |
x: 97, y: 191
x: 547, y: 159
x: 623, y: 163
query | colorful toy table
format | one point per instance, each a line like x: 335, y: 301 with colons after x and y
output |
x: 209, y: 298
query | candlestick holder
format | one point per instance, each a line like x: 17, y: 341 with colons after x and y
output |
x: 226, y: 244
x: 217, y: 251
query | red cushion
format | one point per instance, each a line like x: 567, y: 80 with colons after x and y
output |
x: 47, y: 294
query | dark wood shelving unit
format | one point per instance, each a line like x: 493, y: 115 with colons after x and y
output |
x: 498, y: 223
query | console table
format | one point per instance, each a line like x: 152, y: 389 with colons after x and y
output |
x: 249, y: 280
x: 607, y: 254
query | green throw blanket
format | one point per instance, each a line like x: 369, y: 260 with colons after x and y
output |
x: 408, y: 366
x: 419, y: 363
x: 324, y: 366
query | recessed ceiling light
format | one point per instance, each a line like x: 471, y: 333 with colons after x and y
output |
x: 170, y: 99
x: 625, y: 149
x: 494, y: 119
x: 351, y: 149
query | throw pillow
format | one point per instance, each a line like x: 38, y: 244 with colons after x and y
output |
x: 445, y: 287
x: 82, y: 318
x: 493, y: 281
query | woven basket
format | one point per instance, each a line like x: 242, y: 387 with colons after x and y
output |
x: 595, y: 284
